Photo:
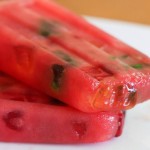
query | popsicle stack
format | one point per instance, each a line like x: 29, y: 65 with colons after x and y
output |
x: 62, y: 79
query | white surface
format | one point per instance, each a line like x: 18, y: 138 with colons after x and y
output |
x: 136, y: 135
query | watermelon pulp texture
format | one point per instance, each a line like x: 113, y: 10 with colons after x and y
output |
x: 30, y: 116
x: 67, y: 55
x: 55, y: 124
x: 11, y: 89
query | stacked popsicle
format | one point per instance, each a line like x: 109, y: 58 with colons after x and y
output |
x: 55, y: 53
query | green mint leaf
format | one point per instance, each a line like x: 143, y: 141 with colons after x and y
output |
x: 137, y: 66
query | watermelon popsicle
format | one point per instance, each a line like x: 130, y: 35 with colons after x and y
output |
x: 41, y: 123
x: 107, y: 84
x: 81, y: 28
x: 11, y: 89
x: 25, y: 118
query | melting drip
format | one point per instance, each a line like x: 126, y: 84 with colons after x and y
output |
x: 120, y: 123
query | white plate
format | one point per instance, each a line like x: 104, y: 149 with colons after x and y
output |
x: 136, y: 135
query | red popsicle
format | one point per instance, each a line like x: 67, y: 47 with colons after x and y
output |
x: 50, y: 57
x: 52, y: 122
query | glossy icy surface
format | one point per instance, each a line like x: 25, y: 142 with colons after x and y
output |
x: 134, y: 137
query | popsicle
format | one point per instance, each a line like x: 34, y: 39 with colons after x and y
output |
x: 41, y: 123
x: 12, y: 89
x: 62, y: 55
x: 30, y: 116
